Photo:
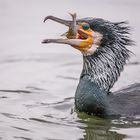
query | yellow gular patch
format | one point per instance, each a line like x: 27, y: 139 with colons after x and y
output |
x: 87, y: 42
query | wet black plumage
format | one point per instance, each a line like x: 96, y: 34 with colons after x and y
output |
x: 104, y: 66
x: 102, y: 69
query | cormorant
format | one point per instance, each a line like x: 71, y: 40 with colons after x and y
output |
x: 103, y: 45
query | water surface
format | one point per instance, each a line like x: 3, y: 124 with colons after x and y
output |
x: 38, y: 82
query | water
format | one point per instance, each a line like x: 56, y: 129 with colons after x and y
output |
x: 38, y: 82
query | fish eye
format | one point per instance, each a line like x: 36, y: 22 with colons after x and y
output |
x: 86, y: 26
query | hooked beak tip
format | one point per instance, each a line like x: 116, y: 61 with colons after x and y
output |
x: 44, y: 41
x: 45, y: 19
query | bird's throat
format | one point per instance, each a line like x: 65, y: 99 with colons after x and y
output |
x: 104, y: 66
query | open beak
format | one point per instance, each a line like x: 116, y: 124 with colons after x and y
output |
x: 79, y: 35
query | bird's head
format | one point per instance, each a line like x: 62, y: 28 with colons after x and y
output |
x: 85, y: 39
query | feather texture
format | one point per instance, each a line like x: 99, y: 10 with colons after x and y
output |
x: 105, y: 65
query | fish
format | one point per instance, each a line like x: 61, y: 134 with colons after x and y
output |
x: 72, y: 25
x: 72, y: 32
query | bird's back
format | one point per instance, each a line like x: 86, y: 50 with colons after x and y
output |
x: 92, y: 100
x: 127, y: 100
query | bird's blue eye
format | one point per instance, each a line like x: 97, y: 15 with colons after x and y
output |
x: 85, y: 27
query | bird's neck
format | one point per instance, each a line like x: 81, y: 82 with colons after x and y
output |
x: 105, y: 65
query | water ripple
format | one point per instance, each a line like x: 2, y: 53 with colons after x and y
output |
x: 19, y: 128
